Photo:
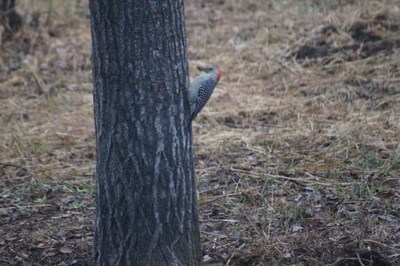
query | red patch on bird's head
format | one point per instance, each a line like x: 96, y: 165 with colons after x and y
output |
x: 219, y: 74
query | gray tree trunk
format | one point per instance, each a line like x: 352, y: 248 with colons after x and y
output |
x: 146, y: 197
x: 9, y: 18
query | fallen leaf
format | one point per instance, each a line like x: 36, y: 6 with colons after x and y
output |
x: 297, y: 228
x: 65, y: 250
x: 61, y: 233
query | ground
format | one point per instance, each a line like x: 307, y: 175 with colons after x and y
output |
x: 297, y: 152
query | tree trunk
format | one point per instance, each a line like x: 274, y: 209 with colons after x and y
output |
x: 9, y: 18
x: 146, y: 197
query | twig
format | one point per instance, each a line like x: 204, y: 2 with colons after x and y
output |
x: 359, y: 259
x: 230, y: 258
x: 296, y: 179
x: 16, y: 166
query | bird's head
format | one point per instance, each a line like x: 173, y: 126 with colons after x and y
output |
x: 214, y: 69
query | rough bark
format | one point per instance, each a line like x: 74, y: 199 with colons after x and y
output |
x: 146, y: 198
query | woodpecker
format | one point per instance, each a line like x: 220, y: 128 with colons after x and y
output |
x: 202, y: 87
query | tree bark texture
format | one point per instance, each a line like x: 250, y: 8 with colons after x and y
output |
x: 146, y: 197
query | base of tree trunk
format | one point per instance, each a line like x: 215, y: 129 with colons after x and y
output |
x: 9, y: 18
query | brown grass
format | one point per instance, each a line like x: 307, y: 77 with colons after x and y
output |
x: 297, y: 152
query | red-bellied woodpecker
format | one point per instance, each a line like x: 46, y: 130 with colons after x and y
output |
x: 202, y: 87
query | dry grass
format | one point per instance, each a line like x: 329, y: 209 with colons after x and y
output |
x: 297, y: 152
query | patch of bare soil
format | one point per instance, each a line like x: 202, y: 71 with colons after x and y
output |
x: 297, y: 152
